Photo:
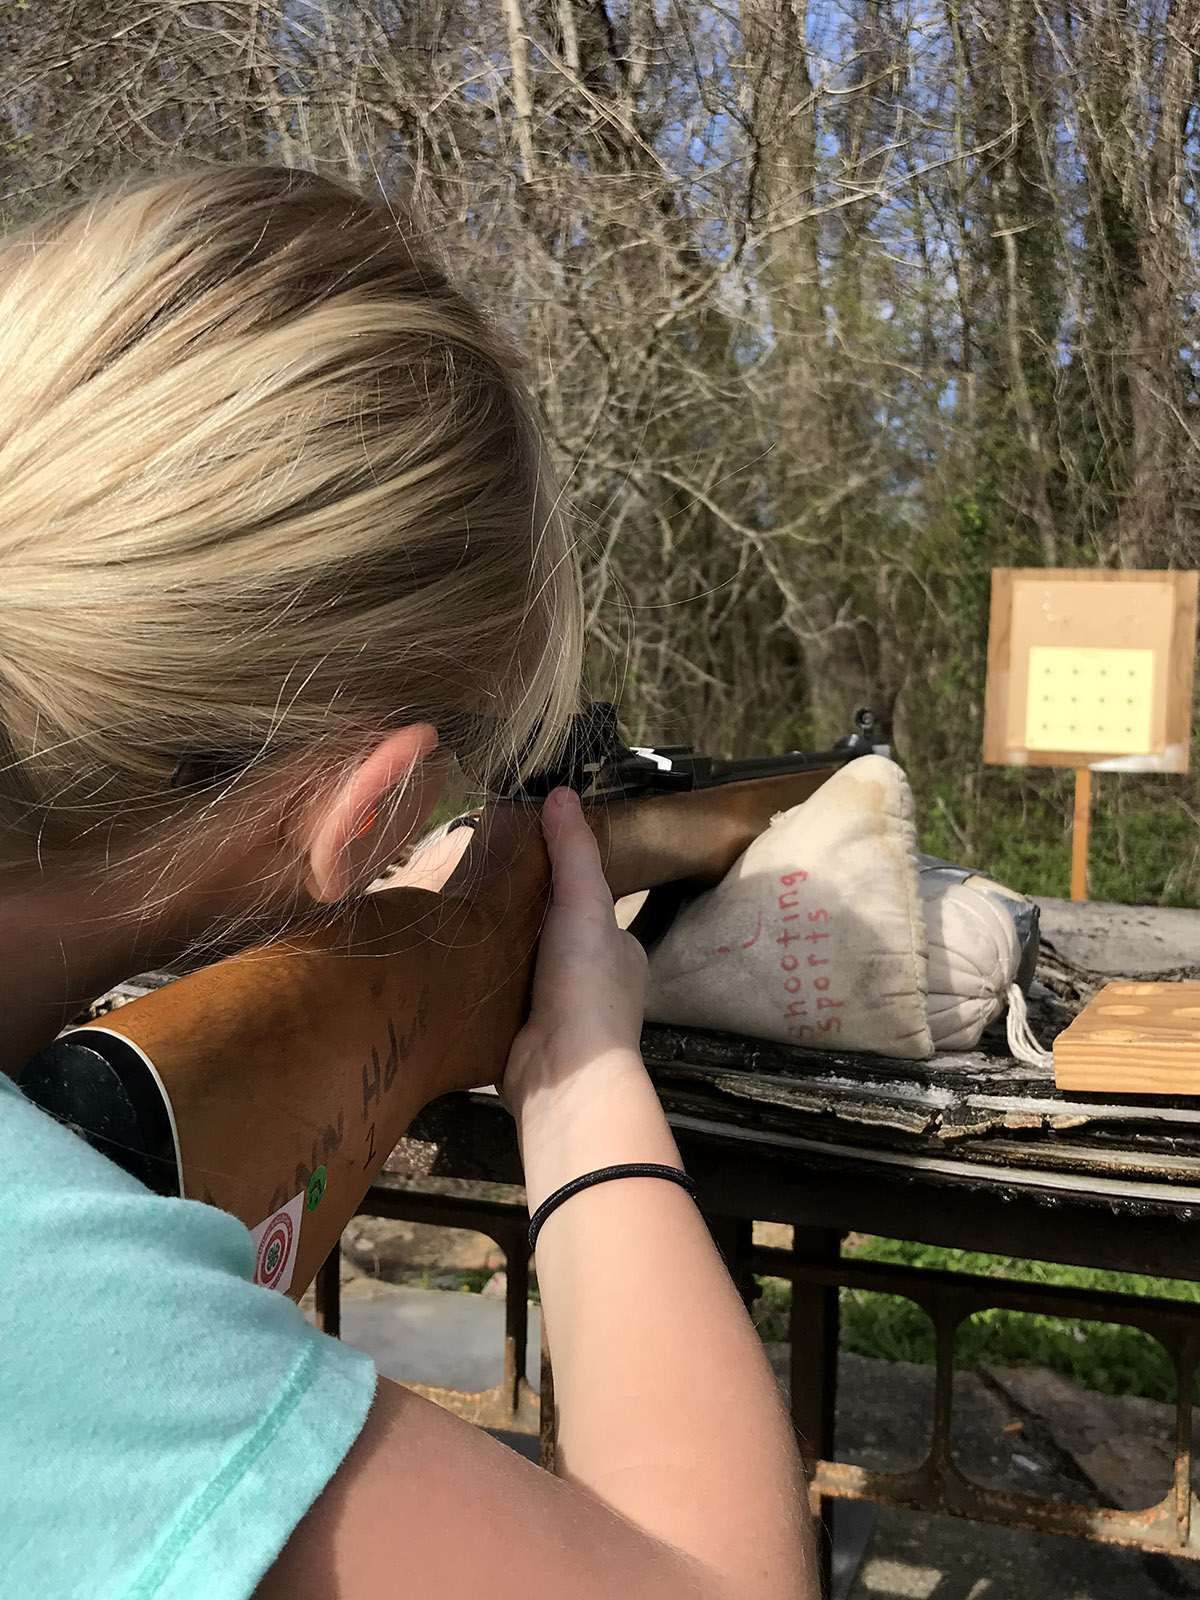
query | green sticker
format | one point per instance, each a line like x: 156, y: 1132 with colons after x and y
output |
x: 316, y: 1188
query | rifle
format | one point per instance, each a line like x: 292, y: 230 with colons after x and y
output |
x: 275, y: 1083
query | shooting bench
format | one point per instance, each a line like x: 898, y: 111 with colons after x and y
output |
x: 970, y: 1150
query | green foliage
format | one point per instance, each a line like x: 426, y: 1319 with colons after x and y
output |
x: 466, y: 1280
x: 1015, y: 823
x: 1102, y: 1356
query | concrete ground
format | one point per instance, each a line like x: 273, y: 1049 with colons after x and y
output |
x: 453, y: 1341
x: 1020, y: 1429
x: 910, y: 1557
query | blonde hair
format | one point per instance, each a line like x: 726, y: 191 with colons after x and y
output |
x: 270, y: 487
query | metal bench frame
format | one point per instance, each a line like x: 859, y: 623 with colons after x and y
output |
x: 826, y: 1190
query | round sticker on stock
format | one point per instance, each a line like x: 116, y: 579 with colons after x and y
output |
x: 275, y: 1244
x: 274, y: 1250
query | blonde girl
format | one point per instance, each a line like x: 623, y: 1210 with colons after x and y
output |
x: 277, y: 541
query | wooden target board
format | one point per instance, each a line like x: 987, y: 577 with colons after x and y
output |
x: 1133, y: 1038
x: 1090, y: 668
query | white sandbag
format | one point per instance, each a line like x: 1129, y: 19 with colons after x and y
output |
x: 974, y: 957
x: 816, y: 936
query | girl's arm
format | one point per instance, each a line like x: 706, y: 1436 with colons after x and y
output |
x: 679, y: 1477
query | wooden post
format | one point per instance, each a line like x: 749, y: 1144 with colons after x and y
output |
x: 1079, y: 833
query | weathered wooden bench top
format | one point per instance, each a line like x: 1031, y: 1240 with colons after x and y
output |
x: 970, y: 1106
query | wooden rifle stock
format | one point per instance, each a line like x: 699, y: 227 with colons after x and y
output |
x: 315, y: 1050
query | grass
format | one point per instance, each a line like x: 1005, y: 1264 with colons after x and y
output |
x: 467, y: 1280
x: 1015, y: 823
x: 1105, y: 1357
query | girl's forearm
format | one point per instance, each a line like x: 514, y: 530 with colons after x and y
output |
x: 667, y: 1407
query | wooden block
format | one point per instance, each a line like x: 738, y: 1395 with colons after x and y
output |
x: 1133, y: 1038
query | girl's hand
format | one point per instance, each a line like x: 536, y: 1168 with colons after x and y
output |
x: 584, y: 1028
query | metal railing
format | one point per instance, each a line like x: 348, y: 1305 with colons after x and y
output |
x: 817, y: 1272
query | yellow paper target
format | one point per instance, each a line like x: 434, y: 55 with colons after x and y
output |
x: 1090, y: 700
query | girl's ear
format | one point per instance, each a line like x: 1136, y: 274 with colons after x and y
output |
x: 334, y: 825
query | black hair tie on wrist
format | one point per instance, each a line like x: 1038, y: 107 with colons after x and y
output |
x: 629, y: 1169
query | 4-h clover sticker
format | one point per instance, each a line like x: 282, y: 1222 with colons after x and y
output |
x: 274, y: 1250
x: 276, y: 1239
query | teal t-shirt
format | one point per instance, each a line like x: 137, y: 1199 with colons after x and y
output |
x: 164, y: 1422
